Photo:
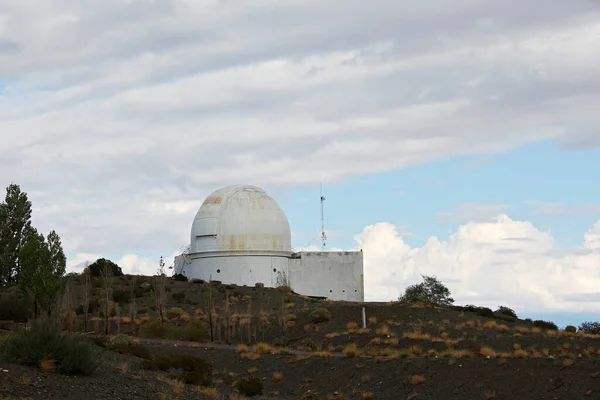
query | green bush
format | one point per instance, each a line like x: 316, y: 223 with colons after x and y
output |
x: 153, y: 329
x: 250, y: 387
x: 592, y: 328
x: 45, y: 341
x: 191, y: 332
x: 15, y: 308
x: 122, y: 339
x: 571, y: 328
x: 197, y: 280
x: 178, y: 296
x: 506, y: 311
x: 320, y: 315
x: 549, y: 325
x: 180, y: 277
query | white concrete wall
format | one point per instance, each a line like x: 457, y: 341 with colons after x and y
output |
x: 240, y: 270
x: 335, y: 275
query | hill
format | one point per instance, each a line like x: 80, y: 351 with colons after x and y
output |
x: 301, y: 347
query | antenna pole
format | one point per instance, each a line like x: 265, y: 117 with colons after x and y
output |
x: 323, y: 236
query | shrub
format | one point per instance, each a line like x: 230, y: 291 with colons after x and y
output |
x: 320, y: 315
x: 571, y: 329
x: 502, y: 310
x: 15, y: 308
x: 180, y: 277
x: 121, y: 296
x: 431, y: 291
x: 178, y: 296
x: 591, y: 328
x: 44, y: 341
x: 485, y: 312
x: 250, y: 386
x: 549, y: 325
x: 192, y: 332
x: 96, y: 267
x: 153, y: 329
x: 121, y: 339
x: 197, y: 280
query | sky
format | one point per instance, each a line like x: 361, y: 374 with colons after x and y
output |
x: 457, y: 139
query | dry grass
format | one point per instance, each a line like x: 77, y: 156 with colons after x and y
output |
x: 263, y: 348
x: 470, y: 323
x: 372, y: 321
x: 250, y: 356
x: 178, y: 387
x: 487, y: 351
x: 237, y: 396
x: 252, y: 370
x: 332, y: 335
x: 490, y: 325
x: 322, y: 354
x: 291, y: 305
x: 123, y: 367
x: 568, y: 362
x: 47, y: 365
x: 26, y: 380
x: 366, y: 395
x: 363, y: 331
x: 351, y: 350
x: 277, y: 376
x: 489, y: 395
x: 503, y: 328
x: 416, y: 379
x: 351, y: 326
x: 365, y: 378
x: 383, y: 331
x: 520, y: 353
x: 211, y: 393
x: 242, y: 348
x: 126, y: 320
x: 417, y: 335
x: 446, y: 322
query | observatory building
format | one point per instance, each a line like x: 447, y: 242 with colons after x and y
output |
x: 241, y: 236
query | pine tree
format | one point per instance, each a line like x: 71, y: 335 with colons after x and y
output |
x: 43, y: 265
x: 15, y: 229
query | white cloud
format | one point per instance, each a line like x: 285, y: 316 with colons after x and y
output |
x: 500, y: 262
x: 119, y: 116
x: 130, y: 263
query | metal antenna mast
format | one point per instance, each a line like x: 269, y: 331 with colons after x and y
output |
x: 323, y: 236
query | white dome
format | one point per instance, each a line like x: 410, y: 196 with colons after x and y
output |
x: 241, y: 219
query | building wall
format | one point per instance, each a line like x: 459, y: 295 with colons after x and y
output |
x: 238, y: 270
x: 335, y: 275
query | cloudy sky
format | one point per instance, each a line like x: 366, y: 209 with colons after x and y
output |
x: 453, y: 138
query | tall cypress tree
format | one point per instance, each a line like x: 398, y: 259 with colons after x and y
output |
x: 15, y: 230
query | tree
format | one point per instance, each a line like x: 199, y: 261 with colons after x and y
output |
x: 97, y: 267
x: 43, y: 265
x: 85, y: 296
x: 431, y: 290
x: 106, y: 279
x: 15, y: 229
x: 158, y: 292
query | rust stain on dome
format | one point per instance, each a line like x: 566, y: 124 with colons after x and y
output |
x: 213, y: 200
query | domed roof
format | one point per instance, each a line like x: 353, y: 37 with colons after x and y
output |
x: 241, y: 219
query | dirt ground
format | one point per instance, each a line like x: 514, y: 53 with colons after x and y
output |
x: 321, y: 378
